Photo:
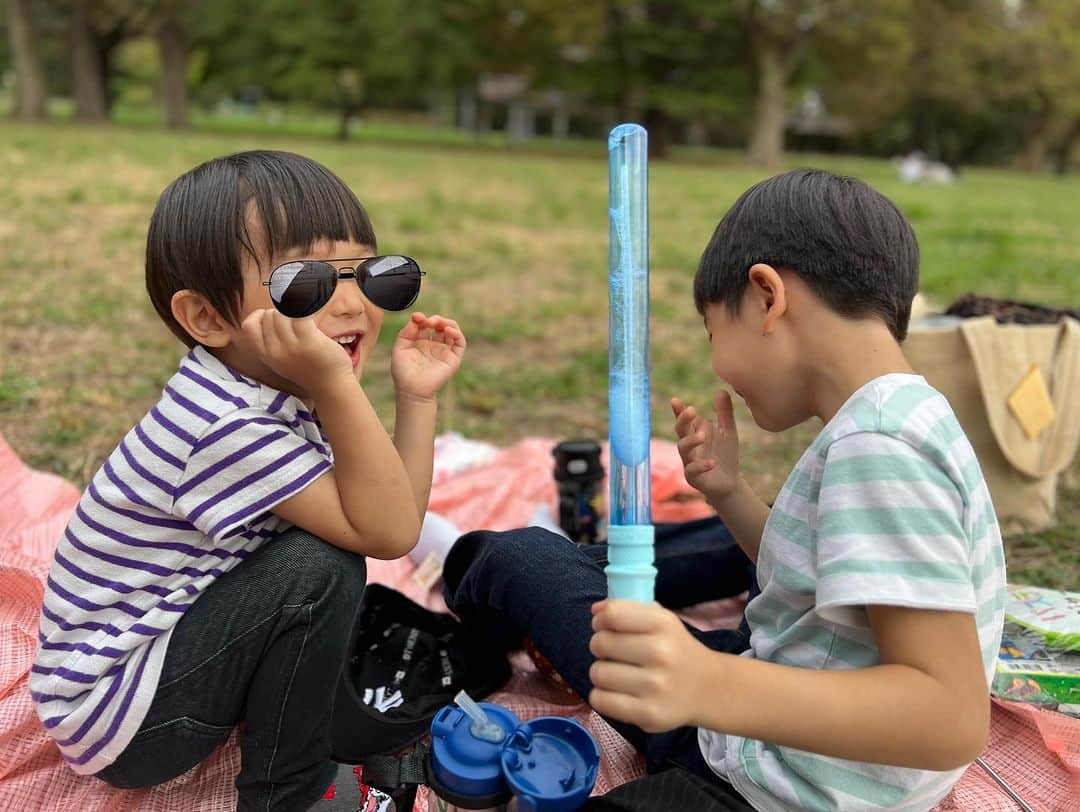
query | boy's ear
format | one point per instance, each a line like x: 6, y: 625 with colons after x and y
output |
x: 200, y: 319
x: 769, y: 295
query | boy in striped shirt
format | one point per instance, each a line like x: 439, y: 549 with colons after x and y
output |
x: 214, y: 566
x: 865, y: 659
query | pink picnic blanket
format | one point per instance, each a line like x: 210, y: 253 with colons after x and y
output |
x: 1036, y: 752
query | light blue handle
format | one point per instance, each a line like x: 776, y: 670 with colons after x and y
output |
x: 630, y: 571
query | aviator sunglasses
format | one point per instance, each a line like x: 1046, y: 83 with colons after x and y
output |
x: 303, y: 287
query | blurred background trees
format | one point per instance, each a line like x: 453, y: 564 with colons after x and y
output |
x: 965, y: 81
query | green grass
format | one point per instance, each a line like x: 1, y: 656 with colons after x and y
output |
x: 515, y: 243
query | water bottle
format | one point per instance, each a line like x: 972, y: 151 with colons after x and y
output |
x: 579, y: 475
x: 484, y: 758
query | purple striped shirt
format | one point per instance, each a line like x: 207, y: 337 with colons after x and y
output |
x: 183, y: 499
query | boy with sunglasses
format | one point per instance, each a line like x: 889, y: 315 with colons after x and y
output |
x: 875, y: 616
x: 213, y: 568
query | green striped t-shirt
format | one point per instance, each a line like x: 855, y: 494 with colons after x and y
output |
x: 887, y: 506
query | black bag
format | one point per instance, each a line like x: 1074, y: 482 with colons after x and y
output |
x: 406, y: 663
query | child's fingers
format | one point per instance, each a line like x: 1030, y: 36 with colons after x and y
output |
x: 252, y: 319
x: 677, y: 407
x: 452, y: 335
x: 689, y: 442
x: 613, y: 704
x: 438, y: 328
x: 251, y: 326
x: 685, y: 420
x: 627, y: 616
x: 631, y: 680
x: 458, y: 342
x: 251, y: 331
x: 698, y: 467
x: 725, y: 412
x: 271, y: 338
x: 414, y: 328
x: 434, y: 321
x: 295, y: 333
x: 635, y: 649
x: 444, y: 322
x: 457, y: 337
x: 301, y: 329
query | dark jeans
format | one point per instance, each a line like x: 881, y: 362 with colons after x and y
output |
x: 535, y: 583
x: 265, y: 645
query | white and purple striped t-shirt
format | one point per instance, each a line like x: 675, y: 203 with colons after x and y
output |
x: 184, y: 498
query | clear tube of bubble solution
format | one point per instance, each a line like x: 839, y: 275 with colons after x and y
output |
x: 630, y: 573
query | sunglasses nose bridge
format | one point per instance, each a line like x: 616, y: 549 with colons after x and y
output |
x: 349, y: 290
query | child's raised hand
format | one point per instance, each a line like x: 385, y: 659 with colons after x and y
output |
x: 709, y: 451
x: 649, y: 668
x: 426, y: 354
x: 295, y: 349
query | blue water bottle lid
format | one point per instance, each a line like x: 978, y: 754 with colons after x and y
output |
x: 467, y: 770
x: 550, y: 764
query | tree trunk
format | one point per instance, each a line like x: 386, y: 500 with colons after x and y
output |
x: 1037, y: 146
x: 30, y: 93
x: 345, y: 114
x: 467, y: 110
x: 560, y: 122
x: 441, y: 108
x: 767, y: 137
x: 172, y: 47
x: 87, y: 64
x: 520, y: 121
x: 697, y: 133
x: 485, y: 117
x: 660, y: 126
x: 1064, y: 149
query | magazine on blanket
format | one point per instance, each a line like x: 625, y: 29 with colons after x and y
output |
x: 1039, y: 660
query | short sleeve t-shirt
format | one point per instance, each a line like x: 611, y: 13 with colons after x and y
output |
x: 888, y: 506
x: 184, y: 498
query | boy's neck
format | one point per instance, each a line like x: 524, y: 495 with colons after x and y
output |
x: 844, y: 357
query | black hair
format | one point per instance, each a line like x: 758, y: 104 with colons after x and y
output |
x: 201, y: 225
x: 847, y: 242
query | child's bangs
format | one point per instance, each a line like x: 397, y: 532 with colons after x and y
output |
x: 295, y: 203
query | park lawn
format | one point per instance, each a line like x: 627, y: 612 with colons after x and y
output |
x: 515, y: 245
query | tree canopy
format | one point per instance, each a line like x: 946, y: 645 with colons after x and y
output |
x: 964, y: 80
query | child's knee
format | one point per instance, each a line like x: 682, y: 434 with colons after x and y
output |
x: 494, y: 557
x: 532, y: 546
x: 317, y: 568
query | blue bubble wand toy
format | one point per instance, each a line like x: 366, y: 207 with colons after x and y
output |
x: 630, y: 573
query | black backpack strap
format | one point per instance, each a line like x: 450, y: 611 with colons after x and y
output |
x: 396, y: 771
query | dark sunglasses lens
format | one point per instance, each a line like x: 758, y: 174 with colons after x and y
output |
x: 300, y: 289
x: 391, y: 282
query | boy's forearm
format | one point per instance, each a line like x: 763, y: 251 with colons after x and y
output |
x: 885, y: 714
x: 372, y: 482
x: 744, y: 514
x: 414, y: 438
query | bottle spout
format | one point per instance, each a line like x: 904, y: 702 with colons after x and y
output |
x: 482, y: 726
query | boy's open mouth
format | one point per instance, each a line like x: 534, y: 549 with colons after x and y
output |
x: 350, y: 342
